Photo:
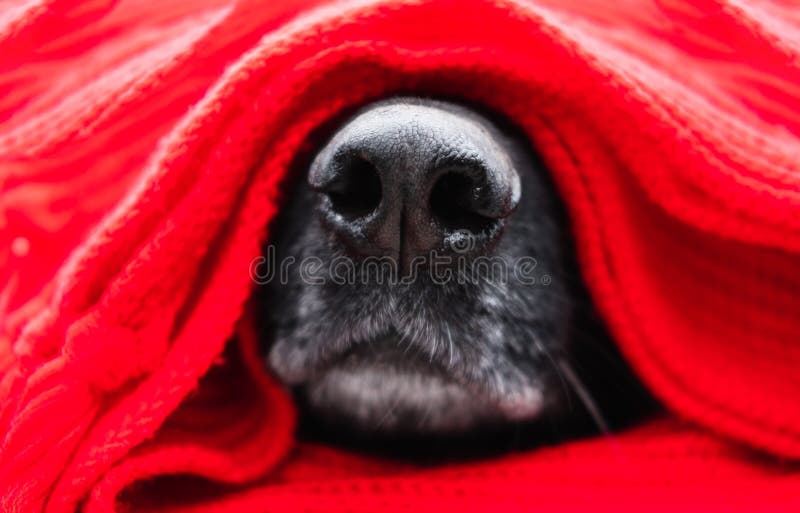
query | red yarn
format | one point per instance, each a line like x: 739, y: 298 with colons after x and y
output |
x: 142, y: 149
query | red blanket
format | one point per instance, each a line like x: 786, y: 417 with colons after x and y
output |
x: 142, y: 145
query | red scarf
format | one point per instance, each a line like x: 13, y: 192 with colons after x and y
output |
x: 142, y: 145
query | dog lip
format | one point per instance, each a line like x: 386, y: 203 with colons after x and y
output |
x: 388, y: 351
x: 387, y: 348
x: 387, y: 356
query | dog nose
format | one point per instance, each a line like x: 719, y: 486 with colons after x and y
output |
x: 402, y: 180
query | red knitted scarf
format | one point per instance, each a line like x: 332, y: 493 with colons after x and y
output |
x: 142, y: 146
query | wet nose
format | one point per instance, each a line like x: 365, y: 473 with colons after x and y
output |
x: 404, y: 179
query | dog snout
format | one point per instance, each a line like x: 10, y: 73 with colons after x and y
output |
x: 404, y: 179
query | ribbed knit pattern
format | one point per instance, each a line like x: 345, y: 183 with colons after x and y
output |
x: 143, y: 146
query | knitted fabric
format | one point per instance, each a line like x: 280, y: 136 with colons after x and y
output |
x: 142, y: 151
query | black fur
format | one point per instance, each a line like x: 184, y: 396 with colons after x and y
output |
x: 430, y: 361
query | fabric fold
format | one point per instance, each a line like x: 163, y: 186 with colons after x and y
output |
x: 143, y: 153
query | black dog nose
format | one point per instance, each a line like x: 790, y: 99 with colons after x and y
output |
x: 403, y: 179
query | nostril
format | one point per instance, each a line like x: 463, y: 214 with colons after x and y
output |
x: 356, y: 190
x: 456, y: 200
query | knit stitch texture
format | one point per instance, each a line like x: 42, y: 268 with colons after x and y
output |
x: 143, y: 146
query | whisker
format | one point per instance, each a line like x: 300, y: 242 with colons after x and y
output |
x: 450, y: 344
x: 404, y: 338
x: 388, y: 412
x: 585, y: 397
x: 562, y: 379
x: 428, y: 410
x: 433, y: 350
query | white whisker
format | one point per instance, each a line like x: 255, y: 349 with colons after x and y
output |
x: 584, y: 396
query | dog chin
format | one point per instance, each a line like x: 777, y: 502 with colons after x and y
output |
x: 380, y: 388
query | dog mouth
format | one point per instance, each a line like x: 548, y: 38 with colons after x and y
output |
x: 389, y: 351
x: 427, y: 305
x: 387, y: 383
